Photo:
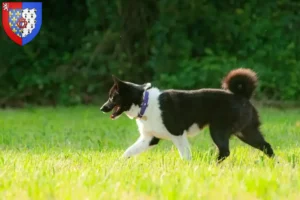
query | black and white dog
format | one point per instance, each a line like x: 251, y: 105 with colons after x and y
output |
x: 176, y: 114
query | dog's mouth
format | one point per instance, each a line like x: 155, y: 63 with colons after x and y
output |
x: 116, y: 112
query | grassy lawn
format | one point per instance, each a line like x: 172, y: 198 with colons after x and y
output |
x: 74, y: 153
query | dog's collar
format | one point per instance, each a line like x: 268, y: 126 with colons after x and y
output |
x: 144, y: 104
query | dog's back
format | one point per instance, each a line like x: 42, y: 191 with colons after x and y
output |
x: 227, y: 108
x: 227, y: 111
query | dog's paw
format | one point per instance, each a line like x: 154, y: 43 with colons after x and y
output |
x: 125, y: 156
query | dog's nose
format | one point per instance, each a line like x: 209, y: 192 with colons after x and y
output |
x: 102, y: 108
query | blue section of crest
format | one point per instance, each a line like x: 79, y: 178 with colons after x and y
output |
x: 14, y: 16
x: 36, y: 30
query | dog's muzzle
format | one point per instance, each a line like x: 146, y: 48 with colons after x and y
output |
x: 107, y: 107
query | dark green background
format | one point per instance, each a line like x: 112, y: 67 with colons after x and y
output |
x: 171, y: 43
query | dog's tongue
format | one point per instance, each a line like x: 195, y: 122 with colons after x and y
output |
x: 112, y: 116
x: 115, y: 110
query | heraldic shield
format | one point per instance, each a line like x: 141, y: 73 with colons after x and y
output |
x: 22, y: 21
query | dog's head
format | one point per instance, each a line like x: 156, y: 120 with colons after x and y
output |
x: 122, y: 96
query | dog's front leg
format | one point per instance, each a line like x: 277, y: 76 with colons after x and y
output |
x: 183, y: 146
x: 141, y: 145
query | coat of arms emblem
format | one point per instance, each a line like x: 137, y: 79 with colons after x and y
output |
x: 22, y: 20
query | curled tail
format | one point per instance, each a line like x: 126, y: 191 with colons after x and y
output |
x: 240, y: 82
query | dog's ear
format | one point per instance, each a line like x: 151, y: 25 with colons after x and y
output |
x: 115, y: 79
x: 118, y: 83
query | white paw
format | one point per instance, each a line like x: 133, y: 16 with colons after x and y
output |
x: 126, y: 155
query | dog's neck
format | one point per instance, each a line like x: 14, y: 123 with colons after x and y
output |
x: 144, y: 104
x: 135, y: 110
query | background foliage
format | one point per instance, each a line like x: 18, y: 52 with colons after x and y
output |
x: 180, y: 44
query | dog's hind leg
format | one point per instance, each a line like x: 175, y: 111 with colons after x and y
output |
x: 252, y: 136
x: 183, y: 146
x: 221, y: 139
x: 141, y: 145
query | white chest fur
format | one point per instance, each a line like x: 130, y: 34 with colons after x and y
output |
x: 153, y: 124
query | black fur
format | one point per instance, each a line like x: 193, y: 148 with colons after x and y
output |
x: 154, y: 141
x: 226, y: 112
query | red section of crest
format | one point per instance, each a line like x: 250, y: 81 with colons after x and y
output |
x: 5, y: 21
x: 22, y: 23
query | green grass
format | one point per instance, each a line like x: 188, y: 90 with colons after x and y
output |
x: 74, y: 153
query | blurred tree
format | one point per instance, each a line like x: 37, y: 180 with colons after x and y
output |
x: 182, y: 44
